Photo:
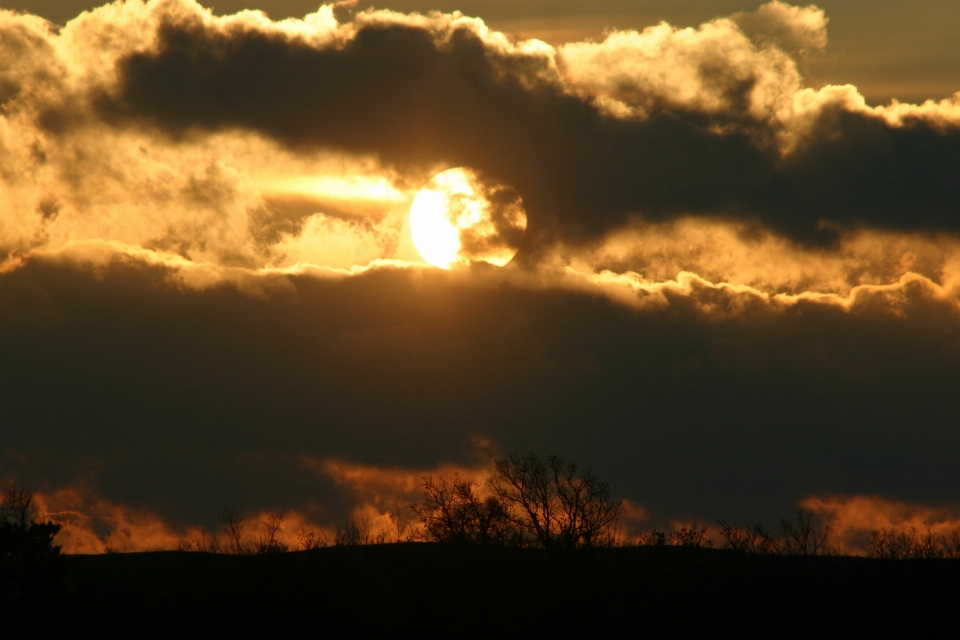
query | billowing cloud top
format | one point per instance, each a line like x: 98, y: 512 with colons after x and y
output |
x: 652, y: 125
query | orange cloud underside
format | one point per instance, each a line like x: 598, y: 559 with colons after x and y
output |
x: 381, y: 496
x: 93, y: 524
x: 852, y: 518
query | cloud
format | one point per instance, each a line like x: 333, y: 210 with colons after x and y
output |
x: 93, y: 525
x: 709, y: 122
x: 379, y: 500
x: 721, y: 252
x: 853, y: 518
x: 230, y: 200
x: 233, y: 140
x: 685, y: 395
x: 382, y: 485
x: 716, y: 70
x: 794, y: 29
x: 382, y: 496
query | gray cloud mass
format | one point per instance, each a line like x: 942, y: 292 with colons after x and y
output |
x: 200, y: 399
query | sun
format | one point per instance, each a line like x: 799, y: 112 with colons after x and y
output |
x: 459, y: 218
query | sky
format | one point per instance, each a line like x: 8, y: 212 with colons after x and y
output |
x: 736, y: 294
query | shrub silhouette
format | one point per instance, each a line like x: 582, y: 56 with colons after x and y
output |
x: 267, y: 541
x: 653, y: 538
x: 951, y: 543
x: 745, y: 539
x: 690, y: 536
x: 21, y: 534
x: 805, y: 536
x: 233, y: 526
x: 901, y: 545
x: 358, y: 532
x: 553, y: 504
x: 543, y: 503
x: 453, y: 511
x: 348, y: 536
x: 308, y: 540
x: 685, y: 536
x: 28, y: 558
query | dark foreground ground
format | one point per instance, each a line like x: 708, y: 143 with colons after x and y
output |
x: 431, y: 590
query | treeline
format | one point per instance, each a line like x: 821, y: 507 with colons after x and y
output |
x: 551, y: 504
x: 527, y: 502
x: 806, y: 537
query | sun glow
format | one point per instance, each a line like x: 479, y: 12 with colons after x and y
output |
x: 349, y: 188
x: 436, y: 238
x: 458, y: 218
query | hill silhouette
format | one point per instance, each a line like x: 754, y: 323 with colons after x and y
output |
x: 432, y: 589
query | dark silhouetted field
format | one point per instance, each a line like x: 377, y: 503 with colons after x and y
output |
x: 432, y: 589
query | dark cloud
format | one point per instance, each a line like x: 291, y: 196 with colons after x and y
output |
x: 713, y: 404
x: 398, y: 91
x: 860, y: 170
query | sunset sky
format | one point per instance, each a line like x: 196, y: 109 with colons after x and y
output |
x: 737, y: 291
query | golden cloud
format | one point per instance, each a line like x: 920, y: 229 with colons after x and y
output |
x: 93, y: 525
x: 236, y: 199
x: 853, y: 518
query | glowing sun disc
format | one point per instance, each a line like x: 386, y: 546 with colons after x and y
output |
x: 435, y: 237
x: 459, y: 218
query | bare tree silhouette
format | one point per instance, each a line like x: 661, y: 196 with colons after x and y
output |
x: 892, y: 544
x: 348, y: 536
x: 748, y: 539
x: 311, y: 540
x: 358, y: 531
x: 17, y: 506
x: 453, y: 511
x: 553, y: 504
x: 200, y: 543
x: 399, y: 523
x: 267, y: 541
x: 233, y: 526
x: 950, y: 543
x: 805, y: 536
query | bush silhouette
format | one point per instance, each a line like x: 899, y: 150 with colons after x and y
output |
x: 891, y: 544
x: 267, y: 541
x: 21, y: 534
x: 654, y: 538
x: 29, y: 561
x: 685, y: 536
x: 543, y: 503
x: 554, y: 504
x: 805, y: 536
x: 690, y: 536
x: 356, y: 532
x: 453, y: 511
